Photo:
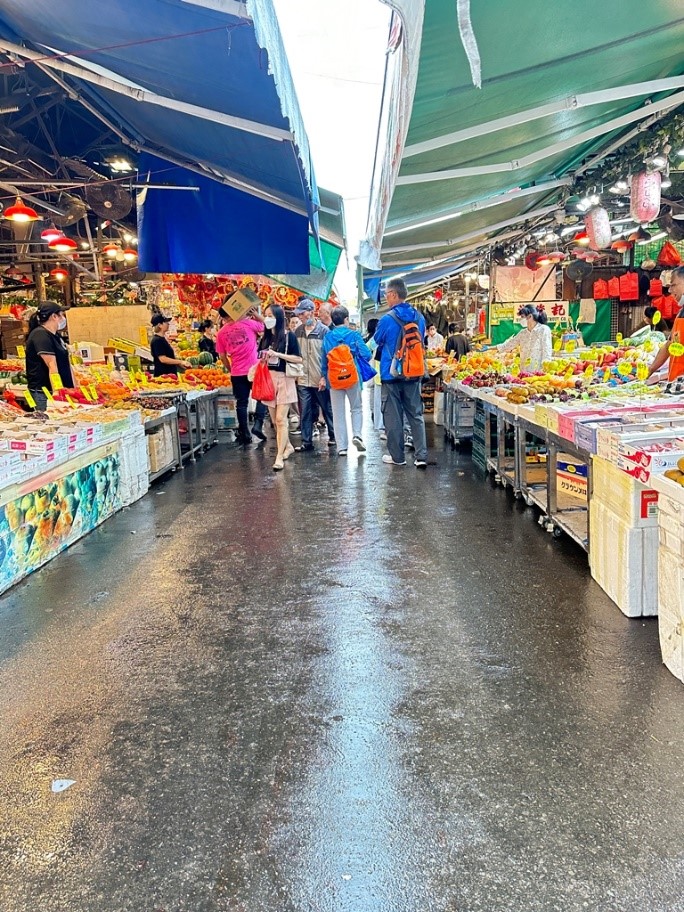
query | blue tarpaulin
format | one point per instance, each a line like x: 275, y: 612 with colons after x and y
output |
x: 200, y: 83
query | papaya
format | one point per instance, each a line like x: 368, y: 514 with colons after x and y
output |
x: 673, y: 474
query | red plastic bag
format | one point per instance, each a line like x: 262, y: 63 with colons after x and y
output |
x: 614, y: 287
x: 655, y: 288
x: 667, y: 305
x: 262, y: 385
x: 601, y: 290
x: 629, y: 287
x: 669, y: 256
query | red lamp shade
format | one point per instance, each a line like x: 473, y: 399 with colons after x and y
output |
x: 597, y: 224
x: 20, y: 213
x: 63, y: 245
x: 581, y: 238
x: 59, y: 274
x: 50, y: 234
x: 544, y: 260
x: 645, y: 196
x: 111, y: 250
x: 130, y: 255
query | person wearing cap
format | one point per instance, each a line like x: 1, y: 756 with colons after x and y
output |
x: 47, y: 357
x: 310, y: 335
x: 163, y: 355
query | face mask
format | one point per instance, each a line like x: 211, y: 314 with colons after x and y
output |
x: 310, y: 321
x: 681, y: 301
x: 62, y: 323
x: 270, y: 322
x: 523, y: 322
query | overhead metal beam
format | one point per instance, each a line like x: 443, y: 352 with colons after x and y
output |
x: 609, y: 126
x: 485, y: 202
x: 569, y: 103
x: 454, y: 255
x: 484, y: 230
x: 107, y: 79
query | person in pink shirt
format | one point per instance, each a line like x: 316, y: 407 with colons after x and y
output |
x: 236, y: 346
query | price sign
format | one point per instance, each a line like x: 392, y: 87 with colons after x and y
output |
x: 48, y: 394
x: 71, y: 402
x: 642, y: 371
x: 557, y: 345
x: 624, y: 368
x: 570, y: 372
x: 21, y: 353
x: 676, y: 349
x: 606, y: 375
x: 86, y: 393
x: 570, y: 345
x: 589, y: 370
x: 29, y: 398
x: 618, y: 338
x: 657, y: 317
x: 93, y: 392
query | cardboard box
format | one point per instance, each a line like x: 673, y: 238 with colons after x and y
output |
x: 241, y: 302
x: 633, y: 502
x: 572, y: 477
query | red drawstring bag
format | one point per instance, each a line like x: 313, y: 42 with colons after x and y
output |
x: 655, y: 288
x: 668, y: 307
x: 601, y: 290
x: 263, y: 389
x: 614, y: 287
x: 629, y: 287
x: 669, y: 256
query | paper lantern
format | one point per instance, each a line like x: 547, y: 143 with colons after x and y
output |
x: 645, y: 196
x: 597, y: 224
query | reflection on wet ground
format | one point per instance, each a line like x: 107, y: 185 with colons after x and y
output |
x: 343, y: 688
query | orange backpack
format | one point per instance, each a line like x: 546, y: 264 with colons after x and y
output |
x: 408, y: 362
x: 342, y: 371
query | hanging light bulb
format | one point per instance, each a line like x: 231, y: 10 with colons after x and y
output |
x: 63, y: 244
x: 50, y: 234
x: 581, y: 238
x: 59, y: 273
x: 130, y: 255
x: 111, y: 250
x: 20, y: 213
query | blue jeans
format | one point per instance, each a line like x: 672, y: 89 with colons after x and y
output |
x: 401, y: 401
x: 310, y: 398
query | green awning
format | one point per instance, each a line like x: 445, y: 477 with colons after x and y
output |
x: 569, y: 81
x: 324, y: 257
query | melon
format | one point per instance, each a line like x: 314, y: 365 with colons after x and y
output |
x: 205, y: 358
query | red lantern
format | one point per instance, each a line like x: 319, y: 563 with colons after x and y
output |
x: 645, y: 196
x: 597, y: 224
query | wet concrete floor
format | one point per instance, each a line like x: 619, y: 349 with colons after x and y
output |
x: 343, y: 688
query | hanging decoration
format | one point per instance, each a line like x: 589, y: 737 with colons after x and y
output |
x: 469, y: 41
x: 645, y: 196
x: 597, y: 225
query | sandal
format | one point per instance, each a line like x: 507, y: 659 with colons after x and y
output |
x: 289, y: 450
x: 278, y: 465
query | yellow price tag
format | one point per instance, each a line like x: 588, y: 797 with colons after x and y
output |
x: 676, y: 349
x: 71, y: 402
x: 93, y: 392
x: 606, y: 375
x: 21, y: 353
x: 589, y: 370
x: 29, y: 398
x: 570, y: 372
x: 624, y: 368
x: 48, y: 394
x: 557, y: 345
x: 642, y: 371
x: 618, y: 338
x: 571, y: 345
x: 657, y: 317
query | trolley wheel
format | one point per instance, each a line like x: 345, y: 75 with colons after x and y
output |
x: 497, y: 479
x: 517, y: 494
x: 528, y: 500
x: 557, y: 531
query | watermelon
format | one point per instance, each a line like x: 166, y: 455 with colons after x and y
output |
x: 205, y: 358
x: 194, y: 361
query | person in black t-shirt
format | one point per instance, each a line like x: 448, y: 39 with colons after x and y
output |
x: 207, y: 342
x: 457, y: 342
x: 163, y: 355
x: 47, y: 357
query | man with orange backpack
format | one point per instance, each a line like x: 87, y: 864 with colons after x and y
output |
x: 343, y: 349
x: 399, y: 338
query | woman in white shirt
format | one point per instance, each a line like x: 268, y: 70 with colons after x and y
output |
x: 533, y: 341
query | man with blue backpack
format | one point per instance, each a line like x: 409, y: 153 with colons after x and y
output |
x: 399, y: 338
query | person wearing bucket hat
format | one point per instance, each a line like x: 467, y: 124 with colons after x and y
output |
x: 676, y: 368
x: 47, y: 357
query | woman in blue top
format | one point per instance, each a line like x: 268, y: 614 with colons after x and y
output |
x: 341, y: 334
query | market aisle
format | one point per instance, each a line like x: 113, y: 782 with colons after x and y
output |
x: 341, y: 688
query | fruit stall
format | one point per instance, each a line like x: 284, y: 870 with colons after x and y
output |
x: 600, y: 455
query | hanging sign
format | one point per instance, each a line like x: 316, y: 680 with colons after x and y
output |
x: 500, y: 312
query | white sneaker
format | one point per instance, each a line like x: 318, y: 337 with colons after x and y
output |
x: 420, y: 464
x: 359, y: 444
x: 387, y: 459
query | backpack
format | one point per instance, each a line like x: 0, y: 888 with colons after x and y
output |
x: 408, y: 362
x: 342, y: 370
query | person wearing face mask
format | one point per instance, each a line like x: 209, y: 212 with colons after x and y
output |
x: 676, y: 367
x: 47, y: 357
x: 237, y: 340
x: 310, y: 335
x: 533, y: 341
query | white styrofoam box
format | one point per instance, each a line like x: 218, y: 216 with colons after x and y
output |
x: 635, y: 503
x: 671, y: 611
x: 624, y: 561
x: 439, y: 408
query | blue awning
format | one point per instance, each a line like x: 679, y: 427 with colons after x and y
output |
x: 203, y: 84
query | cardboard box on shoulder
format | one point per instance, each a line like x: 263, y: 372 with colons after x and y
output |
x: 241, y: 302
